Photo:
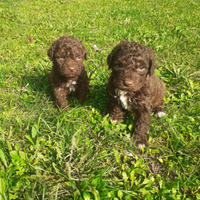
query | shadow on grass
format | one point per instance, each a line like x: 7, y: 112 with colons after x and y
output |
x: 96, y: 96
x: 39, y: 83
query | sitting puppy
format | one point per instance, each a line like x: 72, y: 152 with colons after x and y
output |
x: 133, y: 86
x: 68, y: 74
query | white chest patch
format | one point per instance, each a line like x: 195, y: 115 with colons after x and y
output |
x: 71, y: 85
x: 123, y: 99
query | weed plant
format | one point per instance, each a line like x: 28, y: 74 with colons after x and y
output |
x: 49, y: 154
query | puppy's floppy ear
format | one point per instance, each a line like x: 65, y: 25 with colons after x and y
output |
x: 85, y: 53
x: 109, y: 60
x: 51, y: 51
x: 114, y: 52
x: 152, y: 62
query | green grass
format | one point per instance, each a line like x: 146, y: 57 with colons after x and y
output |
x: 49, y: 154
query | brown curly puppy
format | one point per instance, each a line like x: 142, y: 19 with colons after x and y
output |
x: 68, y: 74
x: 133, y: 86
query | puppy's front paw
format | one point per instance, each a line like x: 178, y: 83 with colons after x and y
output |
x: 160, y: 114
x: 65, y: 108
x: 115, y: 121
x: 140, y: 146
x: 140, y: 143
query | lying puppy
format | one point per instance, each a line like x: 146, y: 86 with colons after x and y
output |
x: 133, y: 86
x: 68, y: 74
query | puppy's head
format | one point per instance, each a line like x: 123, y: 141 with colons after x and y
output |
x: 130, y: 63
x: 67, y: 54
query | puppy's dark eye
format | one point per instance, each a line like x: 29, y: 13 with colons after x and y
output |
x: 78, y: 58
x: 62, y: 58
x: 140, y: 68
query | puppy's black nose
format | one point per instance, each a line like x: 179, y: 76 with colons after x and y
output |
x: 128, y: 83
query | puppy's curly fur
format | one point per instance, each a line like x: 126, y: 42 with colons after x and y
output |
x: 68, y: 74
x: 133, y: 86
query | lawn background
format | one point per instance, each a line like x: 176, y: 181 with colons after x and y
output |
x: 48, y: 154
